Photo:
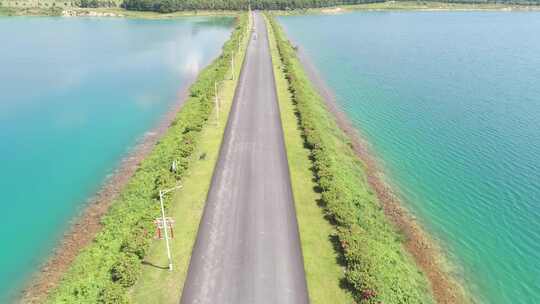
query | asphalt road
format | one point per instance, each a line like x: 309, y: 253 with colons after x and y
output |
x: 248, y: 247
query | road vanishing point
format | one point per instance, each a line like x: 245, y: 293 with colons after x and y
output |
x: 248, y: 246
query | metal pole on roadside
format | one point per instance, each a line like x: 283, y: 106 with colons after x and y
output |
x: 161, y: 194
x: 165, y: 229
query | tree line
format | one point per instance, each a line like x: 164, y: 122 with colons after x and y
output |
x: 167, y: 6
x: 97, y: 3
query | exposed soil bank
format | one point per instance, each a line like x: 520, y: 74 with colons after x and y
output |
x: 88, y: 223
x: 427, y: 255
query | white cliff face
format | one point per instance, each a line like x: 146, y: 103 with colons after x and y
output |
x: 74, y: 13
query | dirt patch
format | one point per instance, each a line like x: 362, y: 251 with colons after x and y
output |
x: 426, y: 254
x: 87, y: 224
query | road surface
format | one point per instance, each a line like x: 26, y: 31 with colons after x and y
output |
x: 248, y: 247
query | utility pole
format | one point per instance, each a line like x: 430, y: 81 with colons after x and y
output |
x: 161, y: 194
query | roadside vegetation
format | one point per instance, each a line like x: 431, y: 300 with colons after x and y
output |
x: 157, y: 285
x: 104, y: 271
x: 324, y: 274
x: 377, y: 267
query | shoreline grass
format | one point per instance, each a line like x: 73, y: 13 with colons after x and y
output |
x: 324, y: 274
x: 157, y: 284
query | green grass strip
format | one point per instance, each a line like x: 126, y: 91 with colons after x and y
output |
x: 377, y: 267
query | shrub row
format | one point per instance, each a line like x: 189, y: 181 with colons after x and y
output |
x: 378, y: 269
x: 104, y: 270
x: 168, y: 6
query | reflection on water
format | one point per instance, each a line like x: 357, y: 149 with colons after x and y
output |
x: 76, y: 94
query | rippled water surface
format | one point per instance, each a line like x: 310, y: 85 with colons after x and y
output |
x: 450, y: 102
x: 75, y: 95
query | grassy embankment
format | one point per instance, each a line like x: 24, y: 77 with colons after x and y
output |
x: 157, y: 285
x: 29, y: 11
x: 377, y: 267
x: 105, y: 270
x: 323, y: 274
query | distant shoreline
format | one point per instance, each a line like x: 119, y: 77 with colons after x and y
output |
x: 86, y: 224
x: 425, y: 251
x: 105, y: 12
x: 339, y: 9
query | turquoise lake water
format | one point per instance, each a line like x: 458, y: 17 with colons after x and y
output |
x: 76, y: 94
x: 450, y: 102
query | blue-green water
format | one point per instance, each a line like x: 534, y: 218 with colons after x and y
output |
x: 75, y: 95
x: 450, y: 102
